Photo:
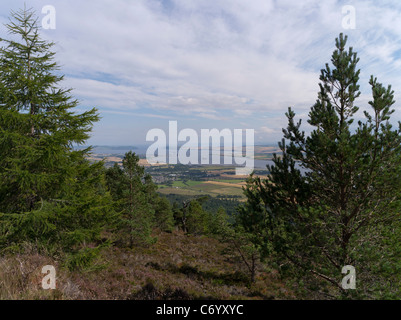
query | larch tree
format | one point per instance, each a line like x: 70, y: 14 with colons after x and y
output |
x: 49, y: 192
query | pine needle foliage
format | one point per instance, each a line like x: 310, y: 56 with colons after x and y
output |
x: 333, y: 197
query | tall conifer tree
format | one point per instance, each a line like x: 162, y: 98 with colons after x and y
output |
x: 48, y: 190
x: 345, y: 208
x: 134, y: 194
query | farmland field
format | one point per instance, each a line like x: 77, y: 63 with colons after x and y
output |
x: 195, y: 188
x: 192, y: 180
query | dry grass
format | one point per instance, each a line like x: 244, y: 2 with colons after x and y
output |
x: 21, y: 279
x: 176, y: 267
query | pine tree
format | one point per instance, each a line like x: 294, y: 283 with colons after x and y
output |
x: 48, y: 190
x: 197, y: 219
x: 133, y: 192
x: 219, y: 222
x: 238, y: 239
x: 344, y: 209
x: 164, y: 218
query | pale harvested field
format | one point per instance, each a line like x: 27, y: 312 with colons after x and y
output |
x: 107, y: 159
x: 113, y: 159
x: 232, y: 177
x: 145, y: 163
x: 267, y: 149
x: 226, y: 184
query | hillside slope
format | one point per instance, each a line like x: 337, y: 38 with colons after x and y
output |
x: 176, y: 267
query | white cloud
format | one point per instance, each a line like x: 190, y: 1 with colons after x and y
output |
x: 266, y: 130
x: 214, y: 60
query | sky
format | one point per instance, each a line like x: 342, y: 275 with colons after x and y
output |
x: 208, y: 64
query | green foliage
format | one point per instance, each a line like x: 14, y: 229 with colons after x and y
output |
x: 191, y: 218
x: 197, y: 220
x: 49, y: 193
x: 251, y: 216
x: 211, y: 205
x: 238, y: 239
x: 37, y: 126
x: 345, y: 208
x: 219, y: 222
x: 84, y: 259
x: 164, y: 219
x: 135, y: 195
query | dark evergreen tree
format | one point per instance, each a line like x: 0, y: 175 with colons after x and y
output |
x: 238, y: 240
x: 197, y: 220
x: 134, y: 194
x: 38, y: 126
x: 345, y: 208
x: 49, y: 193
x: 164, y: 218
x: 218, y: 221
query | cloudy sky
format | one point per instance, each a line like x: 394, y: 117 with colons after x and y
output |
x: 207, y: 64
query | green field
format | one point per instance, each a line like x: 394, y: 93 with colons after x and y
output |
x: 199, y: 181
x: 195, y: 188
